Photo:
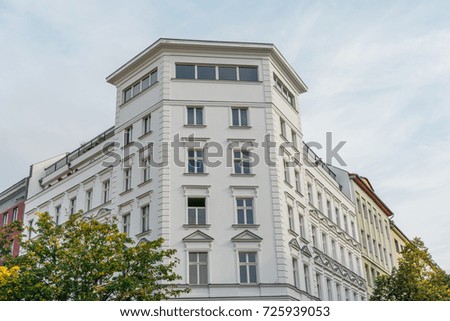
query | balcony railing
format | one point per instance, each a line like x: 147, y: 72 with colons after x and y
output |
x: 80, y: 151
x: 317, y: 160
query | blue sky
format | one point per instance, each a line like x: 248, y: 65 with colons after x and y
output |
x: 378, y: 74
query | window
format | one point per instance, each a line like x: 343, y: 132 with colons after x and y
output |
x: 345, y: 223
x: 283, y: 127
x: 239, y: 116
x: 367, y: 274
x: 241, y: 161
x: 198, y: 268
x: 15, y: 214
x: 295, y: 272
x: 325, y: 243
x: 338, y: 292
x: 343, y: 256
x: 146, y: 169
x: 127, y: 179
x: 363, y: 238
x: 397, y: 247
x: 350, y: 261
x: 128, y: 135
x: 358, y: 203
x: 301, y: 220
x: 310, y: 196
x: 298, y: 186
x: 72, y: 205
x: 248, y: 73
x: 365, y: 210
x: 381, y: 226
x: 358, y: 266
x: 376, y: 221
x: 287, y: 177
x: 369, y: 243
x: 105, y: 191
x: 338, y: 217
x: 329, y: 290
x: 385, y: 255
x: 319, y: 285
x: 306, y: 271
x: 294, y: 139
x: 387, y: 230
x: 195, y: 116
x: 185, y: 71
x: 375, y: 249
x: 374, y: 277
x: 195, y: 161
x: 291, y: 218
x: 352, y: 224
x: 247, y: 267
x: 88, y: 200
x: 347, y: 297
x: 381, y: 252
x: 30, y: 228
x: 126, y: 223
x: 213, y: 72
x: 329, y: 210
x: 283, y: 90
x: 227, y: 73
x: 333, y: 248
x: 146, y: 124
x: 145, y: 218
x: 319, y: 201
x: 314, y: 235
x: 196, y: 211
x: 206, y: 72
x: 5, y: 219
x: 140, y: 86
x: 245, y: 211
x: 370, y: 216
x: 57, y: 214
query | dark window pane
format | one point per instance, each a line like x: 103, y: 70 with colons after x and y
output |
x: 237, y: 167
x: 190, y: 116
x: 252, y: 257
x: 250, y: 217
x: 145, y: 83
x: 199, y: 115
x: 235, y: 113
x: 239, y: 202
x: 252, y: 272
x: 185, y: 71
x: 242, y: 257
x: 196, y: 202
x: 193, y: 274
x: 249, y: 202
x: 248, y: 73
x: 136, y: 89
x: 191, y: 153
x: 128, y: 94
x: 191, y: 166
x: 154, y: 77
x: 203, y: 275
x: 241, y: 217
x: 244, y: 121
x: 192, y: 257
x: 227, y: 73
x: 243, y: 274
x: 202, y: 257
x: 206, y: 72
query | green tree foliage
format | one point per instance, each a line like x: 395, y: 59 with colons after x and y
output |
x: 418, y: 278
x: 85, y: 259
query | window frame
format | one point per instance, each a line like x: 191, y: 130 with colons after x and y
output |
x: 197, y: 264
x: 247, y: 264
x: 240, y: 112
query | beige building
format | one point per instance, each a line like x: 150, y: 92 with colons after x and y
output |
x: 373, y: 219
x: 399, y: 240
x: 374, y: 228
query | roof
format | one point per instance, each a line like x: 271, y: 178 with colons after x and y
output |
x: 207, y: 45
x: 367, y: 187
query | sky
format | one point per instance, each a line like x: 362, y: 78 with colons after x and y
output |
x: 378, y: 74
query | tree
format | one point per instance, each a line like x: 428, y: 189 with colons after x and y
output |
x: 418, y: 278
x: 85, y: 259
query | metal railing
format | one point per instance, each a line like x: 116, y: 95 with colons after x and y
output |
x: 80, y: 151
x: 318, y: 161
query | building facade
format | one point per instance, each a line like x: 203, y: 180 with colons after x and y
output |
x: 373, y: 224
x: 207, y: 152
x: 12, y: 206
x: 399, y: 241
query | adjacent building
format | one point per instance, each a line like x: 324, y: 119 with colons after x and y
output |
x: 399, y: 240
x: 12, y: 205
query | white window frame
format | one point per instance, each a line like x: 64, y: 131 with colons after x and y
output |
x: 197, y: 264
x: 195, y: 158
x: 15, y: 214
x: 106, y: 187
x: 195, y: 121
x: 145, y: 218
x: 126, y: 218
x: 247, y: 265
x: 127, y: 172
x: 241, y: 110
x: 196, y: 208
x: 89, y: 198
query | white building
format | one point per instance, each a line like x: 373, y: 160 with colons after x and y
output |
x: 242, y: 229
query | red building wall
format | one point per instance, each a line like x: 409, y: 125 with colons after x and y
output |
x: 21, y: 208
